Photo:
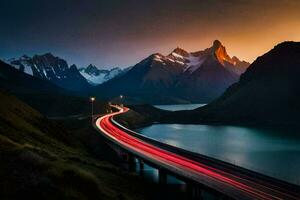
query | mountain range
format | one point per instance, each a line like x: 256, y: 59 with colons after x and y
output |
x: 42, y: 94
x: 267, y: 93
x: 56, y: 70
x: 53, y: 69
x: 180, y: 77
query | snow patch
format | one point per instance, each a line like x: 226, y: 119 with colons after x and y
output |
x: 92, y: 79
x: 180, y: 62
x: 27, y: 69
x: 112, y: 73
x: 102, y: 77
x: 177, y: 55
x: 171, y: 60
x: 158, y: 60
x: 45, y: 73
x: 195, y: 63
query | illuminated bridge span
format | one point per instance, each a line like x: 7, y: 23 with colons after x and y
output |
x: 195, y: 169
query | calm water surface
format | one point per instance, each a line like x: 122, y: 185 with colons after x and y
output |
x: 179, y: 107
x: 272, y: 151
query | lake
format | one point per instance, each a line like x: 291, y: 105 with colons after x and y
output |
x: 179, y: 107
x: 271, y: 151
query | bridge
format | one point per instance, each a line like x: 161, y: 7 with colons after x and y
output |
x: 196, y: 170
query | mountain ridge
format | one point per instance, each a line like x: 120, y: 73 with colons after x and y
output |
x: 171, y: 76
x: 52, y: 68
x: 272, y: 77
x: 43, y: 95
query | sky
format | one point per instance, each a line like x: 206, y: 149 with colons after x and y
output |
x: 110, y: 33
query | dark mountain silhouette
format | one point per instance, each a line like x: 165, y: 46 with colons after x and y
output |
x: 17, y: 82
x: 41, y: 94
x: 53, y: 69
x: 179, y: 77
x: 267, y: 93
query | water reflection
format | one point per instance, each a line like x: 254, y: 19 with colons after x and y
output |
x: 179, y: 107
x: 272, y: 151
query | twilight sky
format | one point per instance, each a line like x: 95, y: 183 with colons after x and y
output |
x: 112, y: 33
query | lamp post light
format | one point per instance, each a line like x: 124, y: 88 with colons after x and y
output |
x: 92, y: 99
x: 121, y: 97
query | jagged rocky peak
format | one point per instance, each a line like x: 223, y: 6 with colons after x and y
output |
x: 46, y: 56
x: 92, y: 69
x: 49, y: 67
x: 234, y: 64
x: 220, y: 52
x: 49, y: 60
x: 24, y: 57
x: 156, y: 55
x: 217, y: 44
x: 194, y: 60
x: 180, y: 51
x: 73, y: 67
x: 91, y: 66
x: 50, y: 55
x: 236, y: 59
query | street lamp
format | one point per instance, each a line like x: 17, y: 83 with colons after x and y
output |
x: 92, y: 99
x: 121, y: 97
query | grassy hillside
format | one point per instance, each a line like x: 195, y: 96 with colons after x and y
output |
x: 41, y: 159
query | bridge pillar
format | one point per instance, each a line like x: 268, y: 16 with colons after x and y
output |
x: 162, y: 177
x: 141, y: 166
x: 194, y: 191
x: 131, y: 162
x: 221, y: 197
x: 141, y: 163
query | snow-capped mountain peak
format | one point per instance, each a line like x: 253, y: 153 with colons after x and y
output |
x: 97, y: 76
x: 191, y: 61
x: 52, y: 68
x: 23, y: 64
x: 92, y: 70
x: 180, y: 52
x: 201, y: 75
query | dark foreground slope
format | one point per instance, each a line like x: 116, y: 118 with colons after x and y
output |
x: 40, y: 159
x: 267, y: 93
x: 44, y: 96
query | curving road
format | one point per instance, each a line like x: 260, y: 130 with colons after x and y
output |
x: 230, y: 180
